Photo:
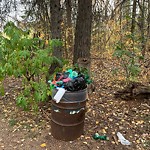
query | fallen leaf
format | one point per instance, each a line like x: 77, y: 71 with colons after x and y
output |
x: 138, y: 141
x: 140, y: 122
x: 85, y: 143
x: 110, y: 119
x: 113, y: 142
x: 122, y: 120
x: 43, y: 145
x: 97, y: 122
x: 87, y: 137
x: 103, y: 131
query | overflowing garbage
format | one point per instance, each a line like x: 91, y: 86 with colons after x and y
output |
x: 69, y: 80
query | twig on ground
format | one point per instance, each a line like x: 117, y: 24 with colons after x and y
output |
x: 45, y: 114
x: 146, y: 105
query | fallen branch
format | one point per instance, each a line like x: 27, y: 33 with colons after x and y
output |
x: 45, y: 114
x: 115, y: 139
x: 134, y: 91
x: 146, y: 105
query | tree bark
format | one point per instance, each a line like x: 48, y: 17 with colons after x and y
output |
x: 83, y: 30
x: 148, y: 21
x: 56, y: 20
x: 69, y: 27
x: 142, y: 27
x: 55, y: 27
x: 68, y: 9
x: 127, y: 13
x: 133, y: 16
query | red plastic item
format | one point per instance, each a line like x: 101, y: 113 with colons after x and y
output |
x: 66, y: 80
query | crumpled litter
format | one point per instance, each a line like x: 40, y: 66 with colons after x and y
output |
x: 122, y: 139
x: 70, y: 80
x: 59, y: 94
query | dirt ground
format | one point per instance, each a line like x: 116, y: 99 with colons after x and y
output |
x: 105, y: 114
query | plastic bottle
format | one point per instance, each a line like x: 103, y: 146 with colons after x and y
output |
x: 96, y: 136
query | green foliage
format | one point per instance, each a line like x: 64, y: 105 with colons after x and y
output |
x: 129, y: 57
x: 23, y: 56
x: 2, y: 91
x: 12, y: 122
x: 146, y: 144
x: 23, y: 102
x: 56, y: 43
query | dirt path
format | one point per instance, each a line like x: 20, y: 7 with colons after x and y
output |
x: 29, y: 131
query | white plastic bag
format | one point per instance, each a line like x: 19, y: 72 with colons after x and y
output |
x: 122, y: 139
x: 59, y: 94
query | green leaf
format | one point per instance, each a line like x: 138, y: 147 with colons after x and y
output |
x: 129, y: 53
x: 56, y: 43
x: 26, y: 43
x: 35, y: 107
x: 8, y: 68
x: 134, y: 70
x: 2, y: 72
x: 27, y: 91
x: 12, y: 122
x: 118, y: 53
x: 37, y: 96
x: 115, y: 71
x: 24, y: 54
x: 2, y: 90
x: 22, y: 102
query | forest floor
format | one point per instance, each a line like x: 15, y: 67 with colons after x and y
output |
x: 105, y: 114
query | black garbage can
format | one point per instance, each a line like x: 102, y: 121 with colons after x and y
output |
x: 67, y: 116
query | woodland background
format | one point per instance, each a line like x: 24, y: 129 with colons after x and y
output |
x: 111, y: 38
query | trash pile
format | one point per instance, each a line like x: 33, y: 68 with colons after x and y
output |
x: 70, y: 80
x: 121, y: 138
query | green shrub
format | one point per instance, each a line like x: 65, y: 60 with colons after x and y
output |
x: 24, y: 56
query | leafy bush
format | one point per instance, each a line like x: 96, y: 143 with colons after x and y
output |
x: 129, y: 56
x: 26, y: 57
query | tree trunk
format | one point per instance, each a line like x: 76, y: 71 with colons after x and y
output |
x: 83, y: 30
x: 142, y: 27
x: 127, y: 13
x: 106, y: 9
x: 69, y: 26
x: 56, y: 20
x: 126, y: 8
x: 148, y: 21
x: 68, y: 9
x: 133, y: 16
